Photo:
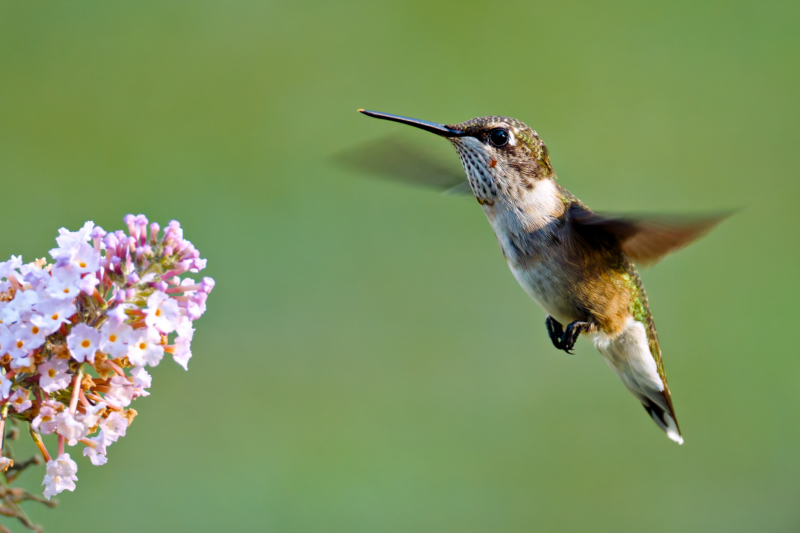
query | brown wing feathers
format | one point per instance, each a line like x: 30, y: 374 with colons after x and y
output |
x: 645, y: 240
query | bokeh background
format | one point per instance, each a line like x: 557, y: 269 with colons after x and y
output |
x: 367, y: 362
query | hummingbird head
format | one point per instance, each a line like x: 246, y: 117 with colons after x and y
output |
x: 502, y: 156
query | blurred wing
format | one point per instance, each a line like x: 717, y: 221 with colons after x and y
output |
x: 400, y: 161
x: 462, y: 189
x: 643, y: 239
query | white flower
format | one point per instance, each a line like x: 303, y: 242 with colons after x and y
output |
x: 114, y: 336
x: 97, y: 453
x: 71, y: 429
x: 83, y: 341
x: 115, y: 426
x: 88, y: 283
x: 18, y: 363
x: 34, y: 274
x: 31, y: 335
x: 45, y: 422
x: 9, y: 267
x: 22, y: 302
x: 69, y: 240
x: 19, y: 400
x: 54, y: 375
x: 51, y: 313
x: 120, y: 393
x: 5, y: 386
x: 84, y: 258
x: 60, y: 475
x: 64, y: 283
x: 92, y: 415
x: 183, y: 342
x: 6, y: 340
x: 117, y: 313
x: 141, y: 381
x: 196, y: 305
x: 145, y: 347
x: 18, y: 347
x: 162, y: 312
x: 141, y: 378
x: 120, y: 282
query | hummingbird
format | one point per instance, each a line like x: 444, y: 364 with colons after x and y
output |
x: 578, y: 265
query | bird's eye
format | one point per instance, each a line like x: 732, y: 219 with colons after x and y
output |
x: 499, y: 137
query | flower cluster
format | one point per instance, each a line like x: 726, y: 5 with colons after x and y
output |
x: 78, y: 335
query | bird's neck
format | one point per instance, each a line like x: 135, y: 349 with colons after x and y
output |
x: 531, y: 210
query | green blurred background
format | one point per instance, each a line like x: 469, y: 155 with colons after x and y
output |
x: 367, y: 362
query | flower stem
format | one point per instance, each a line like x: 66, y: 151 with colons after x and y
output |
x: 83, y: 399
x: 115, y: 367
x: 38, y: 440
x: 76, y: 387
x: 3, y: 415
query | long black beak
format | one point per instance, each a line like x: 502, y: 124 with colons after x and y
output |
x: 433, y: 127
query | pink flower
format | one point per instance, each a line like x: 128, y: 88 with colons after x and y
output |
x: 92, y: 415
x: 162, y: 312
x: 83, y: 341
x: 145, y: 347
x: 19, y: 400
x: 53, y: 375
x: 120, y: 393
x: 142, y: 380
x: 5, y: 386
x: 183, y: 341
x: 115, y: 294
x: 114, y: 337
x: 84, y: 258
x: 115, y: 426
x: 70, y: 428
x: 97, y: 452
x: 31, y: 335
x: 68, y: 240
x: 64, y: 283
x: 45, y: 421
x: 18, y: 307
x: 51, y: 313
x: 60, y: 475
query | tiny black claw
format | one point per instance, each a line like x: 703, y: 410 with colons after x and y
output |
x: 572, y: 333
x: 556, y: 332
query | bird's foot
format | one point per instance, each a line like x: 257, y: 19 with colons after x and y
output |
x: 565, y: 340
x: 571, y: 334
x: 555, y: 330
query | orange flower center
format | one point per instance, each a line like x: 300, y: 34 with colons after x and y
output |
x: 86, y: 343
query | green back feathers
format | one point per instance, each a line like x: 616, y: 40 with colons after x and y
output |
x: 641, y: 313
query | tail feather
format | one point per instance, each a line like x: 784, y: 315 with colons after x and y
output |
x: 664, y: 419
x: 628, y: 354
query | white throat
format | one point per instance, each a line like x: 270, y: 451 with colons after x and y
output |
x: 537, y: 207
